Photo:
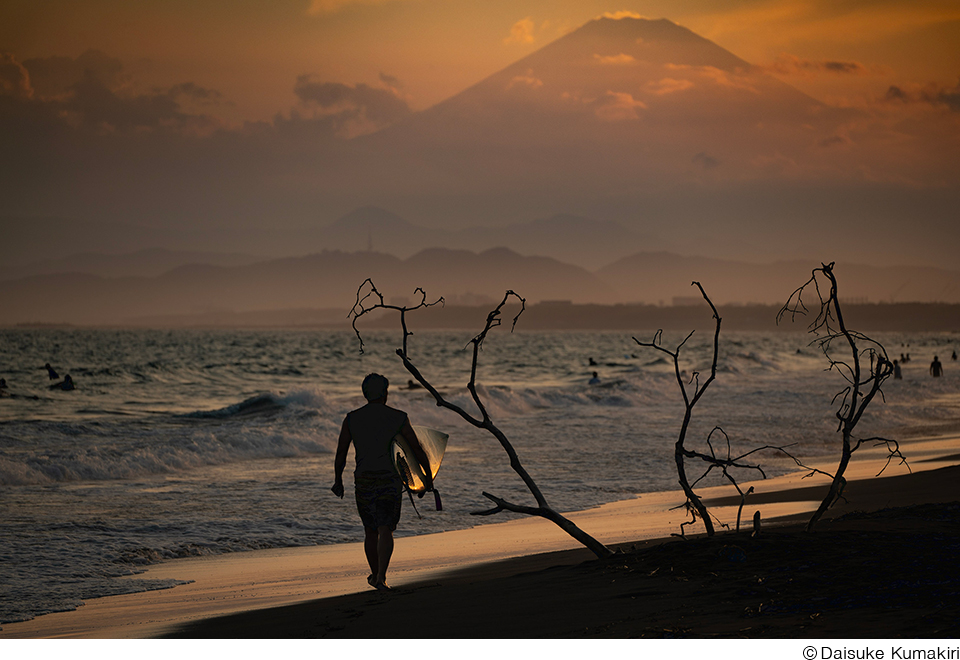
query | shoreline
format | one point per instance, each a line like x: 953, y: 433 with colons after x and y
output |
x: 250, y: 581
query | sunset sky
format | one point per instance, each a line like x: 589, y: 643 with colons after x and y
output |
x: 251, y: 53
x: 177, y: 113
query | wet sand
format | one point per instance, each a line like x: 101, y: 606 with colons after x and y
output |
x: 882, y: 565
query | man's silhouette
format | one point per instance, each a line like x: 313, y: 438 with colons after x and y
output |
x: 936, y: 367
x: 371, y: 429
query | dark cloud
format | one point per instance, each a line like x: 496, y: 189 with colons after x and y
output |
x: 706, y: 161
x: 948, y: 96
x: 377, y: 105
x: 786, y: 64
x: 843, y: 67
x: 896, y: 94
x: 834, y: 141
x: 53, y: 77
x: 932, y: 94
x: 389, y: 80
x: 90, y: 91
x: 14, y: 78
x: 195, y: 93
x: 94, y: 104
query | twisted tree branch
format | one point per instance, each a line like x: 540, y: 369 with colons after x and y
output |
x: 493, y: 320
x: 864, y: 381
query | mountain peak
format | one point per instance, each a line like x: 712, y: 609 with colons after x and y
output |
x: 637, y: 40
x: 651, y: 28
x: 617, y: 105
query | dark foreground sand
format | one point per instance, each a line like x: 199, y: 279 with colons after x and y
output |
x: 867, y: 572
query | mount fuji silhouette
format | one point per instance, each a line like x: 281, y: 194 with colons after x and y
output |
x: 629, y: 102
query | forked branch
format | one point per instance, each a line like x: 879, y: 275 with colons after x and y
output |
x: 724, y: 463
x: 494, y: 319
x: 861, y: 361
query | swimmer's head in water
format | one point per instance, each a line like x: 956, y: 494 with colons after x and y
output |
x: 374, y: 387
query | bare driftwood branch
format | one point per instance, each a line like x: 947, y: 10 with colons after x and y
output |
x: 861, y: 361
x: 494, y: 319
x: 370, y: 299
x: 724, y: 463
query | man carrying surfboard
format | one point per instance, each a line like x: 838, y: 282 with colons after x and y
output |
x: 379, y: 488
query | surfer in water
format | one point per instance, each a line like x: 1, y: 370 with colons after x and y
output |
x: 66, y: 384
x: 371, y: 429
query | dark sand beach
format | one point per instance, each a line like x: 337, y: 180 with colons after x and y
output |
x: 867, y: 571
x: 883, y: 563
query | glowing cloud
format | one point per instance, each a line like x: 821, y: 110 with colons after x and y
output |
x: 521, y: 32
x: 615, y: 60
x: 715, y: 75
x: 623, y: 13
x: 668, y: 86
x: 620, y: 106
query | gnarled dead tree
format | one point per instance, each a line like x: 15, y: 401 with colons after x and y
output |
x: 371, y: 300
x: 724, y: 463
x: 860, y: 360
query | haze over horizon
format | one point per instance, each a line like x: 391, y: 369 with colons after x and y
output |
x: 768, y: 131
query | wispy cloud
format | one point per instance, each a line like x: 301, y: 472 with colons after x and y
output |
x: 527, y: 80
x: 714, y: 75
x: 668, y: 86
x: 521, y: 32
x: 615, y: 60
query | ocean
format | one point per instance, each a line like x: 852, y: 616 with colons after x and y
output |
x: 179, y: 443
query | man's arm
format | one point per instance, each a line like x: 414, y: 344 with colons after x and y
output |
x: 411, y: 437
x: 340, y: 462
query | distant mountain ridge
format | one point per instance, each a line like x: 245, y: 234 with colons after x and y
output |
x: 324, y: 280
x: 563, y: 236
x: 43, y: 246
x: 329, y: 280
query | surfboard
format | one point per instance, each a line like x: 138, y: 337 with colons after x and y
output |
x: 413, y: 474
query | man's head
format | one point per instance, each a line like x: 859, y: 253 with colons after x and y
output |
x: 374, y: 387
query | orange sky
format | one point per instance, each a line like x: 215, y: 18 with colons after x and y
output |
x: 183, y: 115
x: 252, y: 52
